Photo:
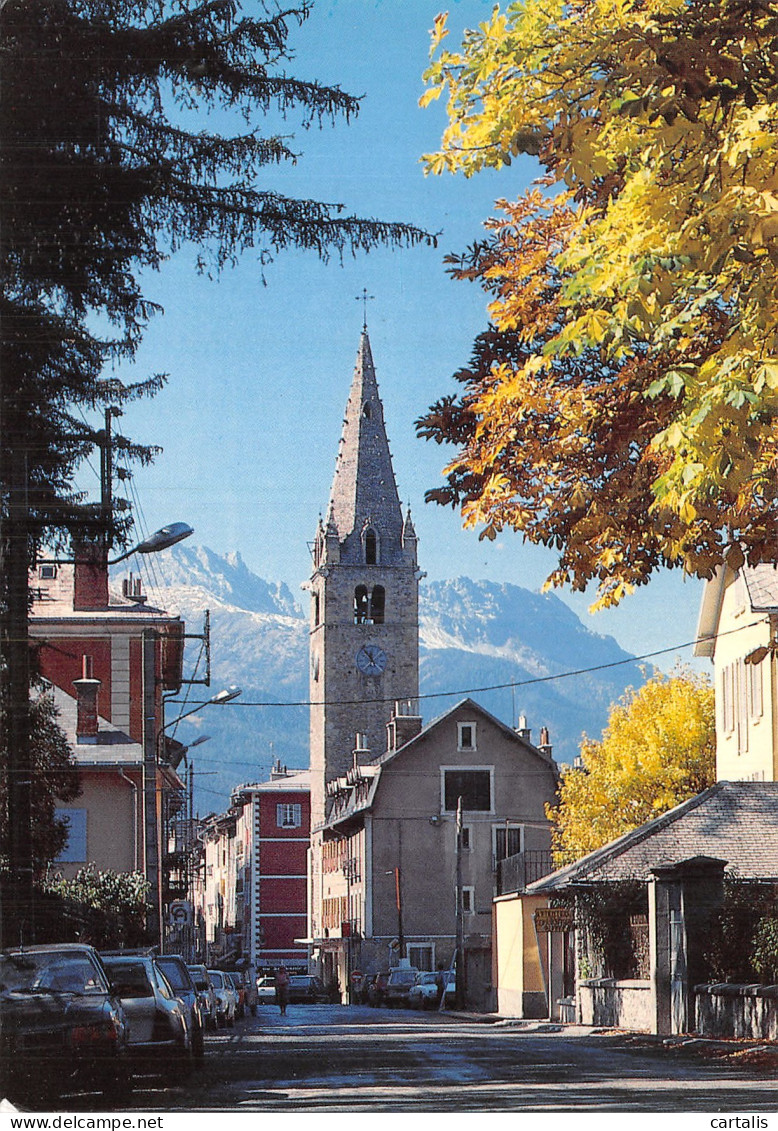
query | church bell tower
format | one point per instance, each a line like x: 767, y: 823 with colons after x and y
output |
x: 364, y: 630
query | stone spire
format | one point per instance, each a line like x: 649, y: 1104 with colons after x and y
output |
x: 364, y: 492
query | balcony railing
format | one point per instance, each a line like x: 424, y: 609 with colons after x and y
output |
x: 515, y: 873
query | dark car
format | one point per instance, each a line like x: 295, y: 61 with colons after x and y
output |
x: 306, y: 988
x: 398, y: 985
x: 159, y: 1038
x: 62, y: 1028
x: 182, y: 983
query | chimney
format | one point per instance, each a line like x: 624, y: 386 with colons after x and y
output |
x: 544, y: 746
x: 522, y: 730
x: 278, y: 771
x: 90, y: 576
x: 361, y: 752
x: 404, y: 725
x: 132, y: 589
x: 87, y: 689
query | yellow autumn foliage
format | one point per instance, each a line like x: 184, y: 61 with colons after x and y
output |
x: 657, y: 750
x: 655, y: 123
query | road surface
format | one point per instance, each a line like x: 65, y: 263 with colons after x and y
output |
x: 338, y: 1058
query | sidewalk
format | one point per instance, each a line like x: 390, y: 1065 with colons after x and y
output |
x: 729, y: 1050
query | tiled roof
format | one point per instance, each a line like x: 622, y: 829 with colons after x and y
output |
x: 733, y: 821
x: 113, y: 746
x: 762, y: 583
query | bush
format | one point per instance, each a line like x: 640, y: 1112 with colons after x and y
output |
x: 765, y: 952
x: 104, y: 908
x: 731, y: 954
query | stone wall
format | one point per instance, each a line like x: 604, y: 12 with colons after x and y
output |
x: 728, y: 1010
x: 622, y: 1004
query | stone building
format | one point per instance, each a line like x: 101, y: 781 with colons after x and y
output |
x: 382, y: 867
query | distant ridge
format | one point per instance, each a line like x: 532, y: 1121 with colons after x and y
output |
x: 473, y: 634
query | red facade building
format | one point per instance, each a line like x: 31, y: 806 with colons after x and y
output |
x: 110, y: 657
x: 254, y: 895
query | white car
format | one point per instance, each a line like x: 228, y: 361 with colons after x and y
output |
x: 226, y: 998
x: 266, y: 989
x: 425, y: 993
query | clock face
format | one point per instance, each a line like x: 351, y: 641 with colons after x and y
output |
x: 371, y: 660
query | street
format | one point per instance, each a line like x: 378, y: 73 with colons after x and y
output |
x: 334, y: 1058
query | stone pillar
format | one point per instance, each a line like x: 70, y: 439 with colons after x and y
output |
x: 681, y: 901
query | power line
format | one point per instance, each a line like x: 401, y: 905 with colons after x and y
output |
x: 489, y: 687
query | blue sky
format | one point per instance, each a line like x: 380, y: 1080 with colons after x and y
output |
x: 259, y: 371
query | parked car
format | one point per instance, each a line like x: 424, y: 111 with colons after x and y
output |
x: 226, y: 998
x: 62, y: 1027
x: 376, y: 988
x: 425, y: 993
x: 204, y: 986
x: 306, y: 988
x: 182, y: 983
x: 238, y: 989
x: 159, y: 1038
x: 398, y: 985
x: 266, y: 989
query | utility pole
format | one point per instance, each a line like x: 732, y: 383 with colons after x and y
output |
x: 18, y: 898
x: 460, y: 959
x: 150, y: 823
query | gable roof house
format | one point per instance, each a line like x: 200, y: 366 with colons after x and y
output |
x: 389, y: 860
x: 667, y: 874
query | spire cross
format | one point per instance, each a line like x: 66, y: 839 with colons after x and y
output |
x: 364, y: 298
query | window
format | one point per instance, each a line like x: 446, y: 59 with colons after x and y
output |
x: 289, y: 816
x: 421, y: 955
x: 473, y: 785
x: 755, y: 690
x: 507, y: 840
x: 74, y: 851
x: 466, y: 736
x: 360, y: 605
x: 468, y: 900
x: 369, y: 607
x: 467, y: 842
x: 316, y: 611
x: 728, y: 698
x: 47, y: 572
x: 377, y: 604
x: 371, y: 548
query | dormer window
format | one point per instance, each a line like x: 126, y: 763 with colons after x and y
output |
x: 371, y: 548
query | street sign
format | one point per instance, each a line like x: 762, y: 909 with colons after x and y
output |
x: 180, y: 912
x: 549, y: 919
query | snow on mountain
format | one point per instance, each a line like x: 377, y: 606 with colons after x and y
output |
x: 475, y: 638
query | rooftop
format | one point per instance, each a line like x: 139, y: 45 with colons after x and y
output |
x: 734, y: 821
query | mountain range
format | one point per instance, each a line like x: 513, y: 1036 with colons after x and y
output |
x: 515, y: 651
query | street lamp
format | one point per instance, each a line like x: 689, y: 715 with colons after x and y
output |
x: 161, y: 539
x: 398, y: 898
x: 226, y: 695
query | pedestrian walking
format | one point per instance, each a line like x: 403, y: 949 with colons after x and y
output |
x: 282, y: 989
